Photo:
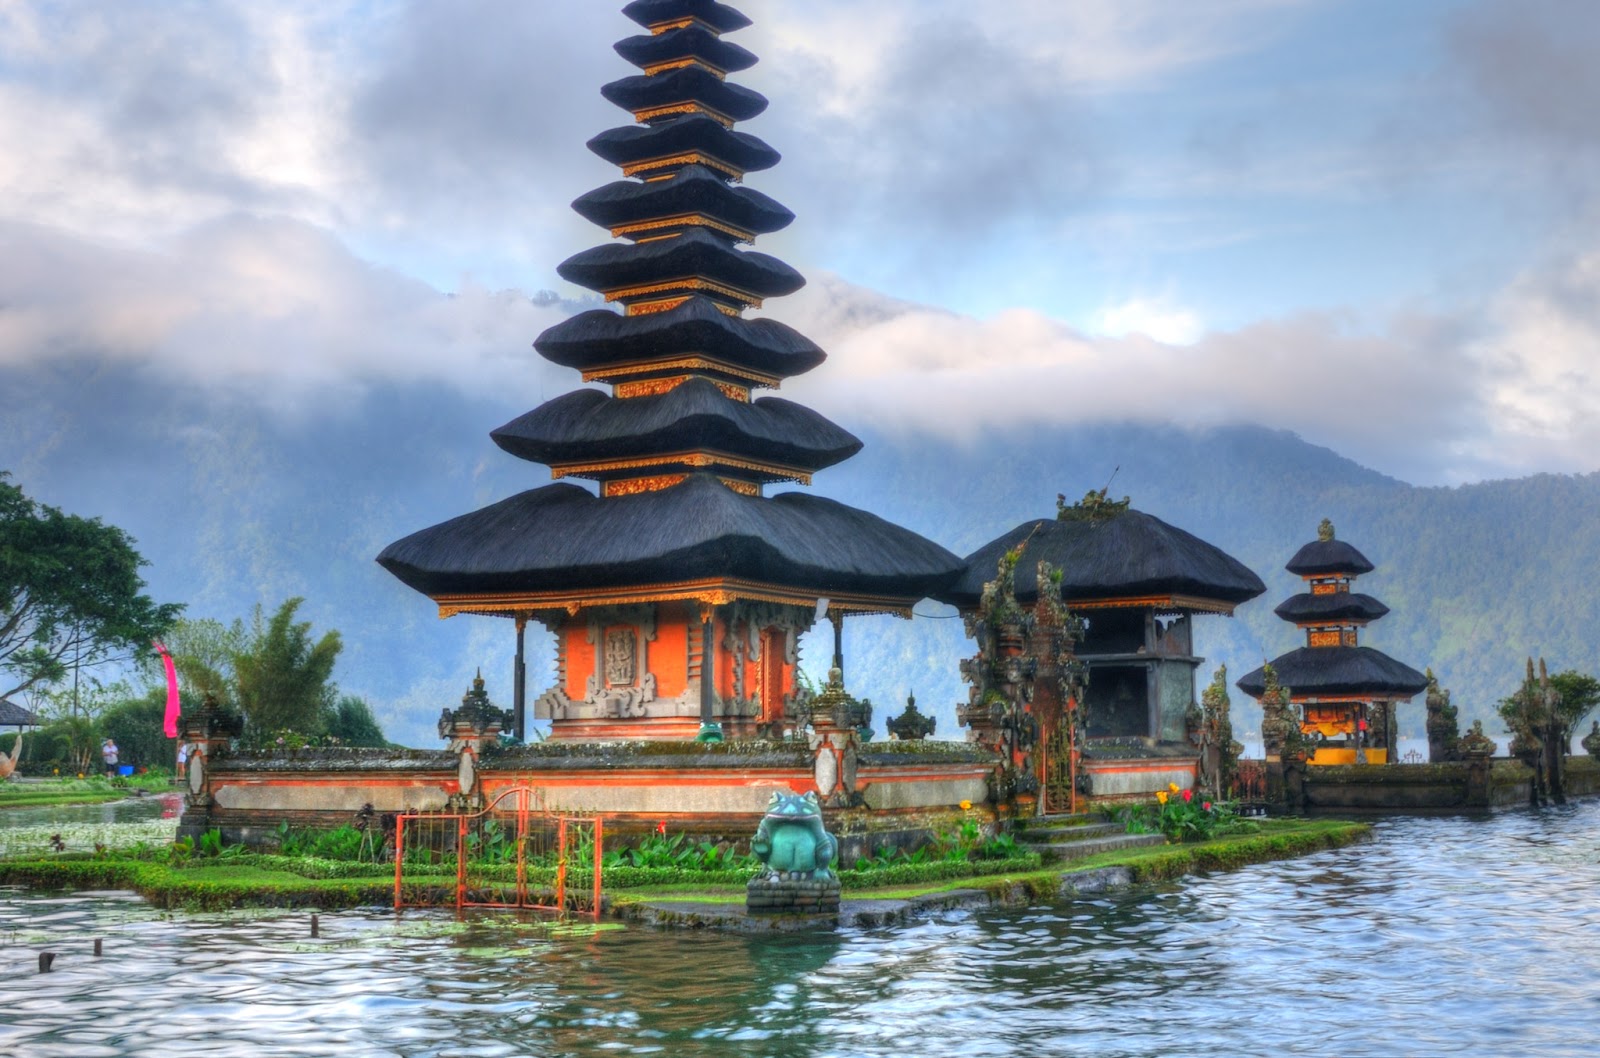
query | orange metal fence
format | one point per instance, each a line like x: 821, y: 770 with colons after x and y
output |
x: 512, y: 854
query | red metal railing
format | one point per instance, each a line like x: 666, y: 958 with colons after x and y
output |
x: 511, y: 854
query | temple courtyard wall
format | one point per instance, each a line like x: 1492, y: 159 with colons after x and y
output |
x: 890, y: 794
x: 1450, y: 787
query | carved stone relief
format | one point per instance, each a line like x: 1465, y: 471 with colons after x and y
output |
x: 621, y: 644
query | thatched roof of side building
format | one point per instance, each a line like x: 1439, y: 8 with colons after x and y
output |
x: 1126, y: 555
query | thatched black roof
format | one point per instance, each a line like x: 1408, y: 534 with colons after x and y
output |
x: 1328, y: 557
x: 600, y: 337
x: 692, y: 189
x: 1342, y: 606
x: 689, y: 42
x: 1128, y: 555
x: 1311, y: 672
x: 587, y: 425
x: 14, y: 715
x: 696, y: 252
x: 684, y: 85
x: 563, y: 538
x: 628, y: 144
x: 719, y: 17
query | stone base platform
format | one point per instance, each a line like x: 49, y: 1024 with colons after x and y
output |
x: 785, y: 894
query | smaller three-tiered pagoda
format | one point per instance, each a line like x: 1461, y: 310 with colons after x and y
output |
x: 1342, y: 694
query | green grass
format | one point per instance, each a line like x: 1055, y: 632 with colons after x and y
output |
x: 29, y: 797
x: 94, y: 789
x: 280, y: 881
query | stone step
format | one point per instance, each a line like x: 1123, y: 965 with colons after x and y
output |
x: 1054, y: 835
x: 1064, y: 819
x: 1077, y: 850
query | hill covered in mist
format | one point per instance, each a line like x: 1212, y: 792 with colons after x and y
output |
x: 234, y: 505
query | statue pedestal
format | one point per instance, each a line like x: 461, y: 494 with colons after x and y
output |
x: 791, y: 893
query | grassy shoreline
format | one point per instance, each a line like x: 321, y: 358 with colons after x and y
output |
x: 268, y: 881
x: 91, y: 790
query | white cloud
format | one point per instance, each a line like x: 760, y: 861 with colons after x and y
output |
x: 1151, y: 317
x: 1403, y: 400
x: 271, y: 309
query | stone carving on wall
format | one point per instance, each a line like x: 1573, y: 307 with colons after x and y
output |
x: 621, y: 644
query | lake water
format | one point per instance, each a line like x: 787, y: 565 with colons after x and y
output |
x: 1443, y: 936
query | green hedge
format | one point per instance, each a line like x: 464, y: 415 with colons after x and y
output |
x: 937, y: 871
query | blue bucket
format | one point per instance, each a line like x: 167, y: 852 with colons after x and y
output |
x: 125, y: 770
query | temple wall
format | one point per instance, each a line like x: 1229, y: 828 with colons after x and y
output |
x: 1435, y: 787
x: 1138, y: 778
x: 717, y: 792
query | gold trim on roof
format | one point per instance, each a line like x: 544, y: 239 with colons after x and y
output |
x: 686, y: 283
x: 714, y: 591
x: 697, y: 460
x: 650, y: 165
x: 634, y: 486
x: 678, y: 64
x: 690, y: 106
x: 650, y: 308
x: 657, y: 482
x: 682, y: 220
x: 659, y: 28
x: 654, y: 305
x: 684, y: 363
x: 654, y: 387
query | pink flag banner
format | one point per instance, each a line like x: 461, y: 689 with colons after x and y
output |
x: 171, y: 725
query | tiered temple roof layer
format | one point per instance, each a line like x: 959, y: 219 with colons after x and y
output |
x: 544, y: 547
x: 606, y: 345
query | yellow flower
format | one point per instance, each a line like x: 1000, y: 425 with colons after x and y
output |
x: 966, y: 806
x: 1161, y: 795
x: 1172, y: 787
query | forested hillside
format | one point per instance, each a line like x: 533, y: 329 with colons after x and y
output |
x: 234, y: 505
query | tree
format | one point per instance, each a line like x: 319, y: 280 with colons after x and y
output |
x: 352, y: 723
x: 203, y: 651
x: 70, y: 594
x: 135, y: 725
x: 1579, y: 692
x: 282, y: 679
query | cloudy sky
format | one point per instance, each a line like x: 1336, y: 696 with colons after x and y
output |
x: 1370, y: 222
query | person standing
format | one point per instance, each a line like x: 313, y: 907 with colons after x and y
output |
x: 108, y: 753
x: 183, y: 760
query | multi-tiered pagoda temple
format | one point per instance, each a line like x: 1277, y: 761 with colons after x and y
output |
x: 677, y: 588
x: 1344, y: 693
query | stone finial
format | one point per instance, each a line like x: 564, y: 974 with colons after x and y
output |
x: 911, y: 724
x: 1325, y: 530
x: 1477, y: 744
x: 1591, y: 741
x: 477, y: 715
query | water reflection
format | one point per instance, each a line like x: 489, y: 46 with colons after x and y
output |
x: 1443, y: 936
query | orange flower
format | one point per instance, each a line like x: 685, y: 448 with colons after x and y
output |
x: 1172, y: 786
x: 1161, y: 795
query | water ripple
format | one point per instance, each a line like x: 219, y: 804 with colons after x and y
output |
x: 1442, y: 936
